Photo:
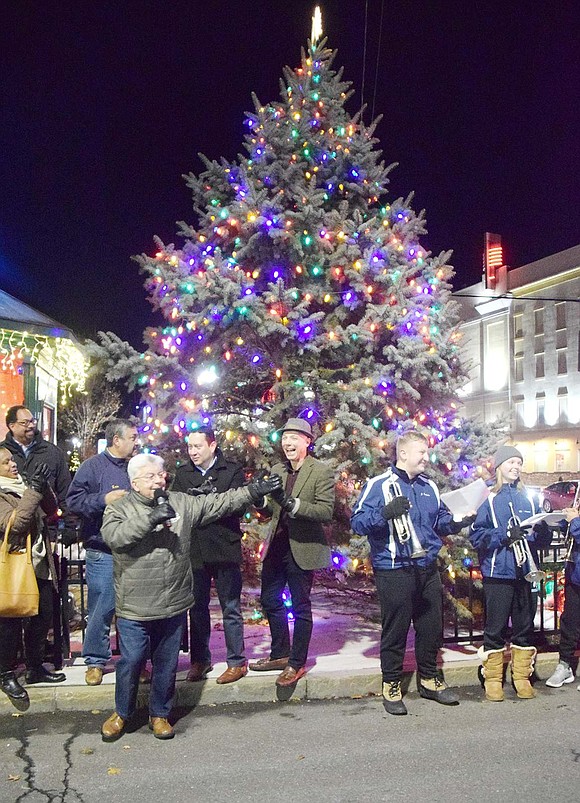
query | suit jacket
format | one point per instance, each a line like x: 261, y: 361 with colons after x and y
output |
x: 314, y: 487
x: 219, y: 542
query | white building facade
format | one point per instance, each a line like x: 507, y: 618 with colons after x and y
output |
x: 522, y: 345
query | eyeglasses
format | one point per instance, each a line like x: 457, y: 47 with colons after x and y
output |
x: 150, y: 477
x: 25, y: 422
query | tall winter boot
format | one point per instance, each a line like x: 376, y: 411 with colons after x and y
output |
x: 522, y: 666
x: 492, y: 673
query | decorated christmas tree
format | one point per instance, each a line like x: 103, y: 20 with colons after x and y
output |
x: 301, y: 289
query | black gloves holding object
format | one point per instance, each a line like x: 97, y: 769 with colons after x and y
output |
x: 396, y: 508
x: 39, y: 479
x: 162, y: 511
x: 464, y: 522
x: 259, y: 487
x: 287, y: 503
x: 515, y: 534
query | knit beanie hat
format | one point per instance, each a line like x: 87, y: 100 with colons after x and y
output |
x: 504, y: 453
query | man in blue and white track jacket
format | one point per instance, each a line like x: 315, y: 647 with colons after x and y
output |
x: 401, y: 514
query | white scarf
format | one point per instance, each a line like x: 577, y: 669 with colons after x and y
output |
x: 12, y: 485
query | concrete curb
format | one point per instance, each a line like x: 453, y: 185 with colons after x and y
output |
x: 254, y: 688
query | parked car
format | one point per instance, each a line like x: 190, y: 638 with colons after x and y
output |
x: 559, y: 495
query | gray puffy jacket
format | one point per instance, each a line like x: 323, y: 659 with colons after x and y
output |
x: 152, y: 568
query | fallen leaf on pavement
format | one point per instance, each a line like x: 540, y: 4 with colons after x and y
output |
x: 14, y: 777
x: 113, y: 771
x: 86, y: 751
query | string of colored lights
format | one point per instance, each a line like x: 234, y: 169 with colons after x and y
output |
x: 61, y: 354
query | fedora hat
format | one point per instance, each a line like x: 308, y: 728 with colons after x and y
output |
x: 297, y: 425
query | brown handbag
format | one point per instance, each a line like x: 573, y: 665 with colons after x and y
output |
x: 18, y: 586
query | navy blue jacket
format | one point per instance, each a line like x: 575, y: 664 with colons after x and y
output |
x: 573, y: 566
x: 489, y: 533
x: 94, y: 479
x: 430, y: 518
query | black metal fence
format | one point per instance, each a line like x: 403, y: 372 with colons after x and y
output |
x: 547, y: 597
x: 70, y: 605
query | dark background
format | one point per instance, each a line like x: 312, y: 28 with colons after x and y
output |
x: 105, y: 105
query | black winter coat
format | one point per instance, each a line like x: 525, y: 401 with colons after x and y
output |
x: 41, y: 451
x: 219, y: 542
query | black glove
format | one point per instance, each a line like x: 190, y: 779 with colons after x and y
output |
x: 206, y: 487
x: 464, y: 522
x: 160, y: 514
x: 514, y: 534
x: 542, y: 530
x: 287, y: 503
x: 69, y: 536
x: 260, y: 487
x: 279, y: 494
x: 396, y: 508
x: 39, y: 480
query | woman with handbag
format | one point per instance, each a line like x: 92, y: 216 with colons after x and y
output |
x: 22, y: 511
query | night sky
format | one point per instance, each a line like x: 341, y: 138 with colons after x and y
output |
x: 104, y: 107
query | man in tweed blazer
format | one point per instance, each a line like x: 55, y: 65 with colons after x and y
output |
x: 296, y: 546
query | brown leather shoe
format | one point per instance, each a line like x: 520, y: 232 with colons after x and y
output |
x: 267, y: 664
x: 198, y: 671
x: 290, y: 676
x: 112, y: 728
x: 161, y: 728
x: 232, y: 674
x: 94, y: 676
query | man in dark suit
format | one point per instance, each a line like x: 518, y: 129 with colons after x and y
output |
x: 295, y: 548
x: 216, y: 553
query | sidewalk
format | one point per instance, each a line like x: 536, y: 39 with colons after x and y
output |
x: 343, y: 662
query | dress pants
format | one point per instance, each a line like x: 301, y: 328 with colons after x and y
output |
x: 278, y: 570
x: 411, y: 594
x: 228, y: 583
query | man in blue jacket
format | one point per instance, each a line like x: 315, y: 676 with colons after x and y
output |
x: 99, y: 481
x: 405, y: 570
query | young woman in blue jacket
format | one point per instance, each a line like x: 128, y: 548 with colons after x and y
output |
x: 507, y: 593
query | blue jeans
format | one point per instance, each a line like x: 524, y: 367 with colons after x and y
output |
x: 228, y: 583
x: 101, y: 607
x: 163, y: 638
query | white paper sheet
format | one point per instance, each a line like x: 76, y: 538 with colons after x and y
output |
x: 551, y: 519
x: 465, y: 500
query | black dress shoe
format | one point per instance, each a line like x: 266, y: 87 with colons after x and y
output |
x: 39, y: 674
x: 12, y: 687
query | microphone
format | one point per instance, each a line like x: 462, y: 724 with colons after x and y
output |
x: 160, y: 496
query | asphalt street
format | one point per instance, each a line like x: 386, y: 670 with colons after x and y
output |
x: 335, y: 751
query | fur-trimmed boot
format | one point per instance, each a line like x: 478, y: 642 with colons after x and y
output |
x: 522, y: 666
x: 492, y: 673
